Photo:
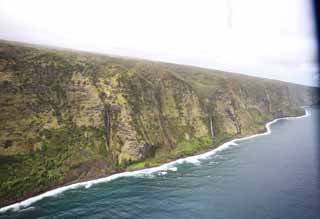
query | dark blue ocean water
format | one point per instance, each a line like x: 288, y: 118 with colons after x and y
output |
x: 271, y: 176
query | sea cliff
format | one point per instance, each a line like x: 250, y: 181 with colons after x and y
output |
x: 69, y: 116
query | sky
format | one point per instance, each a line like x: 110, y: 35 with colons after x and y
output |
x: 266, y: 38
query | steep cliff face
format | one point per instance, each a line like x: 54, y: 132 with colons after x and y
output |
x: 69, y: 116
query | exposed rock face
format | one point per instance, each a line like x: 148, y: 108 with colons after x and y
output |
x: 69, y: 116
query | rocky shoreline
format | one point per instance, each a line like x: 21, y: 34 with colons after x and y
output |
x: 23, y: 202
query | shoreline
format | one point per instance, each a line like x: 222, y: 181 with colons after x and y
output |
x: 162, y: 169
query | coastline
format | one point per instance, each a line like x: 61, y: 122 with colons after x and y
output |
x: 162, y: 169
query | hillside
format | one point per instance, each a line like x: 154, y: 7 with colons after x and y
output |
x: 68, y: 116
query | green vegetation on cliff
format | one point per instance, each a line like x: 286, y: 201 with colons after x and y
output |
x: 69, y: 116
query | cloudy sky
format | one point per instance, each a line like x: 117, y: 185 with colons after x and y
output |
x: 266, y: 38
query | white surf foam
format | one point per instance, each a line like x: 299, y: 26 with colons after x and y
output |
x: 27, y: 209
x: 162, y: 173
x: 173, y: 169
x: 162, y: 169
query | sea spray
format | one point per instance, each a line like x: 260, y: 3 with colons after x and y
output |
x: 162, y: 170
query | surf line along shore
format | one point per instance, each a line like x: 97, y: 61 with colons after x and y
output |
x: 138, y: 173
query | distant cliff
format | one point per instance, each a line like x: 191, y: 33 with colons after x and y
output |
x: 69, y: 116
